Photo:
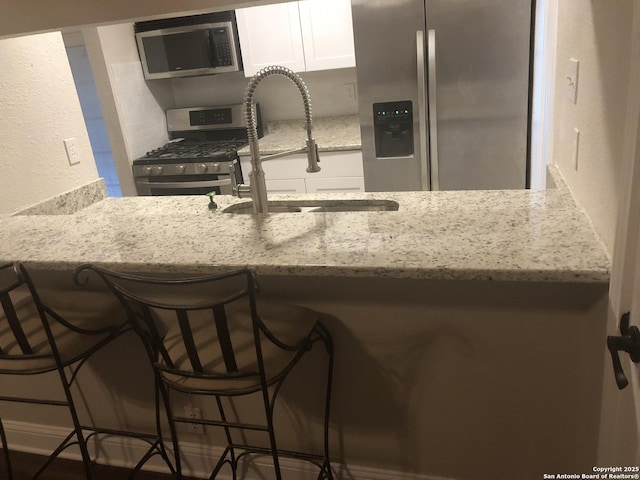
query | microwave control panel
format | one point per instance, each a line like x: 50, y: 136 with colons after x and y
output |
x: 221, y: 46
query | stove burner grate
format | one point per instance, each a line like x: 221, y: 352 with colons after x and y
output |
x: 219, y: 150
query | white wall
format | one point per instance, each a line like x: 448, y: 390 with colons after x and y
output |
x: 39, y: 108
x: 133, y: 109
x: 598, y: 33
x: 437, y: 379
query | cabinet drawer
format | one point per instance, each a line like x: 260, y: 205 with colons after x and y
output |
x: 332, y: 164
x: 289, y: 185
x: 337, y: 184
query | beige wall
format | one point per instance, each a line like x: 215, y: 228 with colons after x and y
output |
x: 277, y: 97
x: 133, y: 109
x: 448, y: 379
x: 39, y: 108
x: 598, y: 34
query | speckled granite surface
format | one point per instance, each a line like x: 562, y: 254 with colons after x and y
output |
x: 331, y: 134
x: 69, y: 202
x: 498, y: 235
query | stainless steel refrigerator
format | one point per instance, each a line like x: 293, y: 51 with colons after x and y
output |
x: 444, y: 92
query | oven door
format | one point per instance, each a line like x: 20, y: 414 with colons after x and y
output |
x: 184, y: 185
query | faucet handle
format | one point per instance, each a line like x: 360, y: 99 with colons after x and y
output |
x: 312, y: 156
x: 237, y: 189
x: 233, y: 177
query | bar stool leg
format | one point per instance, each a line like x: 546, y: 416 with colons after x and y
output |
x: 172, y: 429
x: 5, y: 447
x: 82, y: 444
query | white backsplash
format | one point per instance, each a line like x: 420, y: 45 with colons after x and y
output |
x: 278, y: 97
x: 139, y: 109
x: 69, y: 202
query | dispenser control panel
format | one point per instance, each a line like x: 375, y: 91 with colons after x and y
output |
x: 393, y: 111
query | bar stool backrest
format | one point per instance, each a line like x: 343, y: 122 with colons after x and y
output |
x: 194, y: 304
x: 26, y: 341
x: 207, y: 335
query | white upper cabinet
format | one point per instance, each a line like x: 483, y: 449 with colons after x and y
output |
x: 270, y: 35
x: 304, y: 36
x: 327, y: 34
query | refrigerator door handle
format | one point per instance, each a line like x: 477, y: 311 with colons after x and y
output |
x: 433, y: 119
x: 422, y: 111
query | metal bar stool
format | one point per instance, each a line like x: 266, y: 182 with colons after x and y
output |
x: 212, y: 336
x: 39, y: 337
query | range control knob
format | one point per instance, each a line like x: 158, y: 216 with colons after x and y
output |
x: 180, y: 168
x: 146, y: 170
x: 156, y: 170
x: 201, y: 168
x: 215, y: 167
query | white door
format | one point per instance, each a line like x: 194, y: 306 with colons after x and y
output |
x: 620, y: 420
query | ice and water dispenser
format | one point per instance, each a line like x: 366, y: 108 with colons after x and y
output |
x: 393, y: 129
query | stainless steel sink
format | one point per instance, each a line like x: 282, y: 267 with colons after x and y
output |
x: 319, y: 206
x: 387, y: 206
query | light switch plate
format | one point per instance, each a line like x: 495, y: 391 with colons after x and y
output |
x: 572, y: 79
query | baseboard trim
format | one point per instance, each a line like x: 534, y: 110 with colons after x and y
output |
x: 198, y: 460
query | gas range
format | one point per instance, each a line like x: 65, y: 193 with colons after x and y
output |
x: 187, y: 151
x: 197, y: 160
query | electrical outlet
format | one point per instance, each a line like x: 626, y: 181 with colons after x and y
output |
x: 194, y: 412
x: 72, y: 151
x: 350, y: 91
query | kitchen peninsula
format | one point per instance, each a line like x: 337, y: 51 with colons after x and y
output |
x: 467, y: 325
x: 475, y: 235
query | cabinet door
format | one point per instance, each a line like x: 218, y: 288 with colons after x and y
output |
x: 289, y: 185
x: 327, y: 34
x: 340, y: 164
x: 270, y: 35
x: 336, y: 184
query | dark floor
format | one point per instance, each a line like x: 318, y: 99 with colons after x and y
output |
x: 24, y: 465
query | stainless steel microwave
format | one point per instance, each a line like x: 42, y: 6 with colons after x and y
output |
x: 187, y: 46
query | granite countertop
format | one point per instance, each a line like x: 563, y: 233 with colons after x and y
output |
x: 476, y: 235
x: 331, y: 134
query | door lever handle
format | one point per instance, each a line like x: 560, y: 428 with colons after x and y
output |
x: 628, y: 342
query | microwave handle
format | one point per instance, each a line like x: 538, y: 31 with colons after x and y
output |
x: 211, y: 48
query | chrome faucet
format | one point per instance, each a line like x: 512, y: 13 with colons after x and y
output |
x: 258, y: 188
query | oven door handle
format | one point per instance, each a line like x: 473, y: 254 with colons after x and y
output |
x: 167, y: 185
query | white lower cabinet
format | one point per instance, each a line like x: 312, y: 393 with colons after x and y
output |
x: 340, y: 172
x: 286, y: 185
x: 336, y: 184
